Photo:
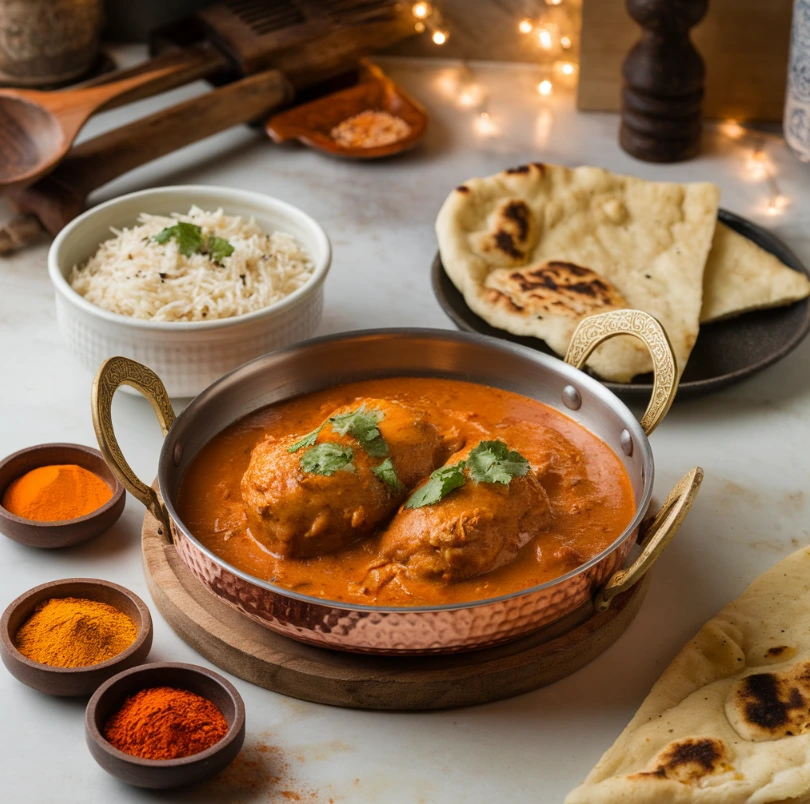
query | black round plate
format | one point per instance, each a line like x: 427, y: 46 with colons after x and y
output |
x: 725, y: 352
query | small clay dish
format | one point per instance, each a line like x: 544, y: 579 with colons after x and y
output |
x: 165, y: 773
x: 312, y: 123
x: 73, y: 681
x: 69, y: 531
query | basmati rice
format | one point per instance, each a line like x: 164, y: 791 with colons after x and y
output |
x: 134, y: 276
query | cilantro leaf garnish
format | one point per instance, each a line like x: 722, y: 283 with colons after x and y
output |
x: 439, y: 485
x: 189, y: 237
x: 218, y: 248
x: 362, y: 425
x: 190, y: 241
x: 494, y: 462
x: 328, y: 458
x: 386, y: 472
x: 307, y: 441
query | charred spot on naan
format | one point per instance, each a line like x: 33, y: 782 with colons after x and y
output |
x: 771, y: 706
x: 554, y: 288
x: 498, y: 299
x: 511, y: 234
x: 523, y: 170
x: 689, y: 761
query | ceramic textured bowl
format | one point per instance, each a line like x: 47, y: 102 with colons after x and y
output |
x: 189, y: 356
x: 73, y: 681
x: 164, y: 773
x: 69, y: 531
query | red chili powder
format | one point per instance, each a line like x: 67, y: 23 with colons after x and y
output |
x: 165, y: 723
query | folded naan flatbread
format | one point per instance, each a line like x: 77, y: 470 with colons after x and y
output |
x: 728, y: 722
x: 537, y: 248
x: 740, y: 277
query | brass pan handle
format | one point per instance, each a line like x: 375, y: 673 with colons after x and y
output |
x: 659, y: 534
x: 114, y: 373
x: 598, y: 328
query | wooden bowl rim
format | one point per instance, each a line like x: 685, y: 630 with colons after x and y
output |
x: 234, y: 728
x: 144, y: 630
x: 117, y: 491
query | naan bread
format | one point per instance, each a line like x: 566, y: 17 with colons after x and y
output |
x: 537, y: 248
x: 740, y: 277
x: 728, y: 722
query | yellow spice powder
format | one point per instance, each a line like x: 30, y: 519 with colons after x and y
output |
x: 74, y: 632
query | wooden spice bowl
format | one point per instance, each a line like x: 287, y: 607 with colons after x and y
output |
x: 70, y: 531
x: 73, y: 681
x: 165, y: 773
x: 311, y: 123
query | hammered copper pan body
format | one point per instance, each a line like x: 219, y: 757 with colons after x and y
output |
x: 333, y: 360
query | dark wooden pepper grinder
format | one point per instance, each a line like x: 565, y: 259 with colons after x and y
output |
x: 663, y: 75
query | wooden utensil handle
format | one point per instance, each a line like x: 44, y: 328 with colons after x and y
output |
x: 94, y: 163
x: 156, y: 76
x: 176, y: 68
x: 60, y: 196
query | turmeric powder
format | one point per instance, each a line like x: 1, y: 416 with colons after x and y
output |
x: 74, y: 632
x: 56, y: 493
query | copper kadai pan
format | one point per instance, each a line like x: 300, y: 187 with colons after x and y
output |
x: 337, y: 359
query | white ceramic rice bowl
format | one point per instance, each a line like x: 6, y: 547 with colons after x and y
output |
x: 188, y: 356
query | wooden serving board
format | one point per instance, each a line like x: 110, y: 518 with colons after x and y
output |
x: 246, y: 649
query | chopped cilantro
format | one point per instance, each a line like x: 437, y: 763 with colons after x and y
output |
x: 327, y: 458
x: 439, y: 485
x: 190, y: 241
x: 386, y: 472
x: 218, y: 248
x: 362, y: 425
x: 189, y: 237
x: 494, y: 462
x: 307, y: 441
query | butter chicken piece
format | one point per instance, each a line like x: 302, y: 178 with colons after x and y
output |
x: 473, y: 530
x: 296, y: 513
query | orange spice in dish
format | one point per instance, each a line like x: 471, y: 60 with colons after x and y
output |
x: 165, y: 723
x: 370, y: 129
x: 75, y: 632
x: 56, y: 493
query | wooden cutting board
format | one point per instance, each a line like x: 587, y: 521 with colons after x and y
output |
x: 240, y: 646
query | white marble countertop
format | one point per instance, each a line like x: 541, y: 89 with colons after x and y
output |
x: 751, y: 440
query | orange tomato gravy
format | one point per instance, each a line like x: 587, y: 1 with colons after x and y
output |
x: 589, y: 513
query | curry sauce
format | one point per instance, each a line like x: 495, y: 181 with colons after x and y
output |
x: 590, y: 499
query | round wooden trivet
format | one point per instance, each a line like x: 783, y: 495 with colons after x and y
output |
x: 244, y: 648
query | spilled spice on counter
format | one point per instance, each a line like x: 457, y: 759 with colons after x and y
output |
x: 74, y: 632
x: 370, y: 129
x: 165, y: 723
x: 263, y: 772
x: 56, y: 493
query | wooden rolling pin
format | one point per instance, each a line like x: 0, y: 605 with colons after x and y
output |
x: 60, y: 196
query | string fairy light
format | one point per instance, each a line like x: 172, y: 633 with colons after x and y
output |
x: 421, y: 10
x: 552, y: 25
x: 758, y: 166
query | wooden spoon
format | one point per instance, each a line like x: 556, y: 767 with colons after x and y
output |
x: 37, y: 128
x: 56, y: 199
